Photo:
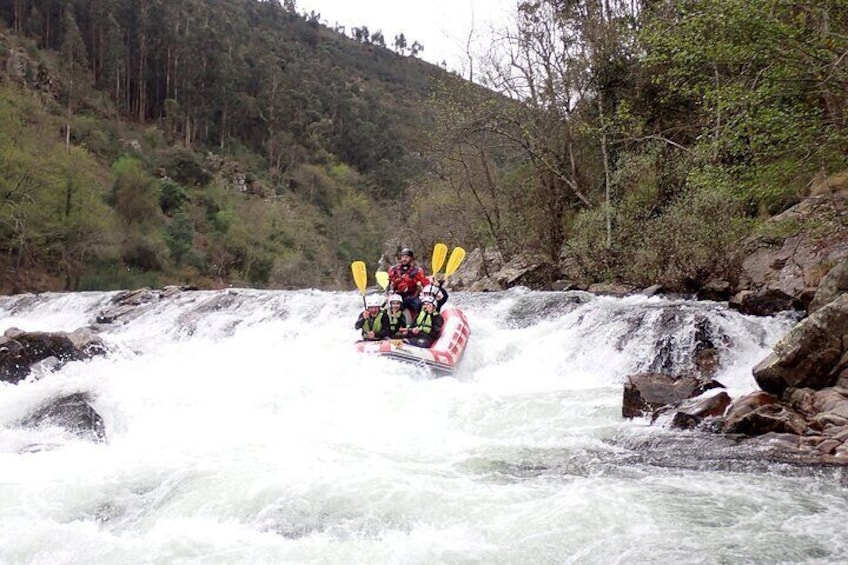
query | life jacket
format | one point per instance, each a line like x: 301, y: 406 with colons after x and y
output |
x: 372, y: 325
x: 403, y: 279
x: 424, y: 322
x: 394, y: 320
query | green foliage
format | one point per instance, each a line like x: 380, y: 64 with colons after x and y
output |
x: 135, y: 194
x: 766, y: 81
x: 180, y: 236
x: 185, y: 168
x: 690, y: 241
x: 52, y: 215
x: 116, y: 276
x: 172, y: 196
x: 257, y: 147
x: 144, y: 253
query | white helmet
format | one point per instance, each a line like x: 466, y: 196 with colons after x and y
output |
x: 428, y: 300
x: 430, y: 289
x: 395, y: 298
x: 373, y: 301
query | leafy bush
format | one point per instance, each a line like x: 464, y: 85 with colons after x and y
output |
x: 693, y: 240
x: 185, y: 167
x: 172, y: 196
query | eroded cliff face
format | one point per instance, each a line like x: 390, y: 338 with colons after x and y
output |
x: 787, y: 259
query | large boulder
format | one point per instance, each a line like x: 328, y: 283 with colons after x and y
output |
x: 832, y: 286
x: 764, y: 302
x: 478, y: 266
x: 811, y: 355
x: 485, y: 271
x: 646, y: 392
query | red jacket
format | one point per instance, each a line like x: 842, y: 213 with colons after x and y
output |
x: 405, y: 279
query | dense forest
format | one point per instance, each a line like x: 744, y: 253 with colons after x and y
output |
x: 239, y: 142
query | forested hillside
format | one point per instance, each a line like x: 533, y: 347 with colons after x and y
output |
x: 240, y: 142
x: 210, y: 143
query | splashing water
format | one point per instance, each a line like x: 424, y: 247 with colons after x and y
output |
x: 242, y: 428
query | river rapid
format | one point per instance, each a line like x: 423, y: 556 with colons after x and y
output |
x: 242, y: 428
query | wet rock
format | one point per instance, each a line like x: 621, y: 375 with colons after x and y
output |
x: 73, y: 413
x: 691, y: 413
x: 652, y: 290
x: 765, y: 419
x: 772, y: 452
x: 20, y: 350
x: 563, y: 285
x: 837, y: 432
x: 646, y: 392
x: 715, y: 290
x: 829, y: 445
x: 764, y: 302
x: 750, y: 402
x: 812, y: 355
x: 831, y: 400
x: 700, y: 357
x: 612, y: 289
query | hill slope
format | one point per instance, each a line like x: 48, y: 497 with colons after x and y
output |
x: 204, y: 143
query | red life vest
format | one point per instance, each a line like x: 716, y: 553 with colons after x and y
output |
x: 404, y: 282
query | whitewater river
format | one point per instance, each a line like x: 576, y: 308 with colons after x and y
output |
x: 242, y: 428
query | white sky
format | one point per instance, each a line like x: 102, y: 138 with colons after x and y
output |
x: 443, y: 27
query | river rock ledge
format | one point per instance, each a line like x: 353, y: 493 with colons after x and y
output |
x: 21, y: 352
x: 801, y: 412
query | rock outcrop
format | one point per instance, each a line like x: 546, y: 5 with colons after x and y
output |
x: 786, y: 261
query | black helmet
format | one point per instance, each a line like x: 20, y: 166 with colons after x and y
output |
x: 407, y: 251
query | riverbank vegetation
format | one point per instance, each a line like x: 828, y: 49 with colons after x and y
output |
x: 243, y: 143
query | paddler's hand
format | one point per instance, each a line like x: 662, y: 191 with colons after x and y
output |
x: 366, y: 314
x: 371, y: 335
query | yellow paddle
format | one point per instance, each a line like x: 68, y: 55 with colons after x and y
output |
x: 440, y: 251
x: 457, y: 255
x: 382, y: 279
x: 360, y: 277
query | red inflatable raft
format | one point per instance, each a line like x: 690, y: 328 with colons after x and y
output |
x: 442, y: 357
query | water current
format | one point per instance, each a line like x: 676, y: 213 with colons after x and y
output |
x: 242, y: 428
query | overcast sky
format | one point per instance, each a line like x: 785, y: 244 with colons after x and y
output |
x: 441, y: 26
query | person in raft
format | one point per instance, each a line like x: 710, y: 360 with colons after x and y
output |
x: 373, y: 321
x: 437, y: 291
x: 395, y: 317
x: 406, y: 278
x: 427, y: 327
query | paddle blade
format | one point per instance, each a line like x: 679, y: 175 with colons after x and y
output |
x: 457, y: 255
x: 440, y: 251
x: 360, y: 275
x: 382, y: 279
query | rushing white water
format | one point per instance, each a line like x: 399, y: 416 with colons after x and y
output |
x: 242, y: 428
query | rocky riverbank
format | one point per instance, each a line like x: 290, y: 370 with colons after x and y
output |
x: 801, y: 411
